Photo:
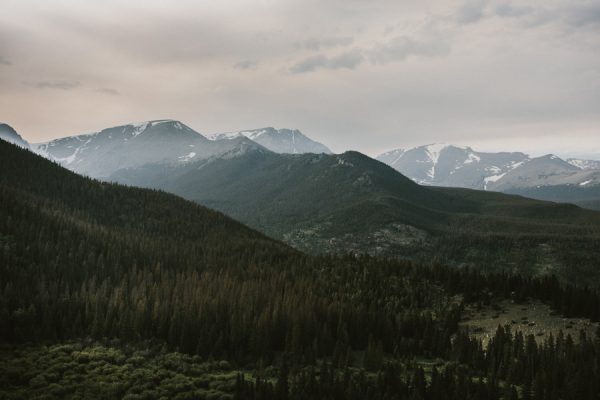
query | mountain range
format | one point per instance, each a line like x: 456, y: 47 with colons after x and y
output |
x: 102, y: 153
x: 99, y: 154
x: 547, y: 177
x: 346, y: 202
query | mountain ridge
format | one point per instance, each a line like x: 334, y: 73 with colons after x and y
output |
x: 284, y: 140
x: 349, y: 202
x: 547, y: 177
x: 101, y: 153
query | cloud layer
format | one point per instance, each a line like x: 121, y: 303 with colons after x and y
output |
x: 356, y: 75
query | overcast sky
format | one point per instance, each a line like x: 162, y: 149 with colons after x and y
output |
x: 363, y: 75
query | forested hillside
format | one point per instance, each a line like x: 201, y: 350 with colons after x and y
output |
x: 145, y: 291
x: 350, y: 202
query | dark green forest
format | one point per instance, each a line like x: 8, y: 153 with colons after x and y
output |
x: 115, y: 292
x: 324, y: 204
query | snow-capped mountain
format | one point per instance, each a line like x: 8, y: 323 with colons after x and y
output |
x: 450, y: 165
x: 548, y: 170
x: 277, y: 140
x: 8, y: 134
x: 102, y: 153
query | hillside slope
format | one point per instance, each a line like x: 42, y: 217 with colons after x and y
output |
x: 350, y: 202
x: 102, y: 219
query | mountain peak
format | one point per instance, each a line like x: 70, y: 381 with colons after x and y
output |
x: 101, y: 153
x: 170, y: 125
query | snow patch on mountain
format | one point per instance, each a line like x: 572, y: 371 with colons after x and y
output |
x: 140, y: 127
x: 187, y: 157
x: 472, y: 158
x: 434, y: 151
x: 492, y: 178
x: 515, y: 165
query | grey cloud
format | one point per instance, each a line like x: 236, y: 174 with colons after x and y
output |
x: 396, y: 49
x: 508, y: 10
x: 58, y: 84
x: 246, y: 64
x: 325, y: 42
x: 110, y: 91
x: 496, y: 78
x: 350, y: 60
x: 401, y: 47
x: 309, y: 64
x: 471, y: 11
x: 583, y: 14
x: 4, y: 61
x: 574, y: 15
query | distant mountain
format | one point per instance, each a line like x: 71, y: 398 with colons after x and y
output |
x: 545, y: 178
x: 450, y: 165
x: 548, y: 170
x: 8, y: 134
x: 278, y: 140
x: 100, y: 154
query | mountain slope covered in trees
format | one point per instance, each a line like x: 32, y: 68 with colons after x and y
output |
x: 350, y: 202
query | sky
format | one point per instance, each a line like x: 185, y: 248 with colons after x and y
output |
x: 353, y: 74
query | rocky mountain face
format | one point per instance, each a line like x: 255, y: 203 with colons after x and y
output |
x: 290, y: 141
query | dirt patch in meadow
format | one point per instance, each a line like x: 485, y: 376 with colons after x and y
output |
x: 531, y: 318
